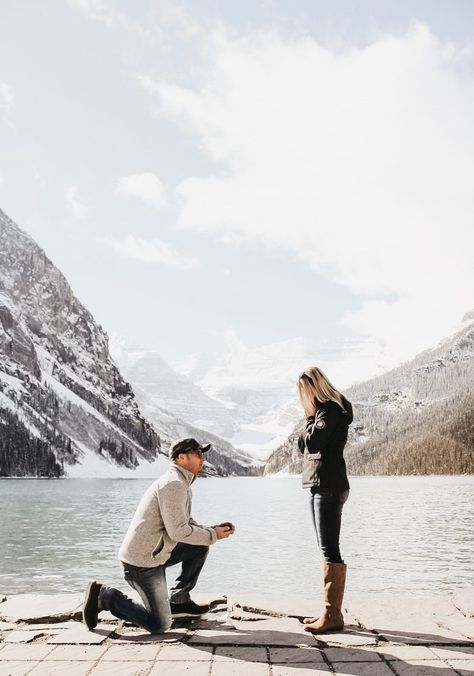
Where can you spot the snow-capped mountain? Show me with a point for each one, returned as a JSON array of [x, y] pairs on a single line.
[[242, 395], [170, 390], [415, 419], [258, 387], [246, 395], [65, 408], [61, 393], [222, 458], [179, 408]]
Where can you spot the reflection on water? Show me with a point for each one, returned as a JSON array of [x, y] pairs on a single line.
[[399, 533]]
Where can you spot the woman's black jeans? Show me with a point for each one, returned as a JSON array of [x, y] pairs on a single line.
[[326, 510]]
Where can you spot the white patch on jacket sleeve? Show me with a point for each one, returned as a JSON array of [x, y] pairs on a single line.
[[320, 422]]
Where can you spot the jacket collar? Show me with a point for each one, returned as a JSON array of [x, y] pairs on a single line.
[[185, 473]]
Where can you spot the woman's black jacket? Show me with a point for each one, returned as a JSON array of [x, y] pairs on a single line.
[[322, 444]]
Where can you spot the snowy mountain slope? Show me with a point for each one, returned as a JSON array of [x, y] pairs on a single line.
[[222, 458], [245, 395], [415, 419], [171, 391], [178, 408], [259, 384], [65, 408], [57, 379]]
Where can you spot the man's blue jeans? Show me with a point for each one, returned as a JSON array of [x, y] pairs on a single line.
[[326, 511], [155, 613]]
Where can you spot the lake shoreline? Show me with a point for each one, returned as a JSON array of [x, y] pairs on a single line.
[[231, 476]]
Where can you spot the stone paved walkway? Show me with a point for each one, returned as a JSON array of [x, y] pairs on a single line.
[[247, 635]]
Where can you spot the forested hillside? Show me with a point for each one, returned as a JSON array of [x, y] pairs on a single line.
[[415, 419]]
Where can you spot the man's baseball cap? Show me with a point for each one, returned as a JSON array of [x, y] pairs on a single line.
[[186, 446]]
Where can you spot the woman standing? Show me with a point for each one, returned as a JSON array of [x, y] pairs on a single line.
[[328, 416]]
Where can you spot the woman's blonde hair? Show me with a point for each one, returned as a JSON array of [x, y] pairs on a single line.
[[313, 384]]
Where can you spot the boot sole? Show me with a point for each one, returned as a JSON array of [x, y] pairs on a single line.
[[92, 589], [324, 631]]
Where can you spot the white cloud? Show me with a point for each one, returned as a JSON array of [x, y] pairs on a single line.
[[6, 98], [358, 162], [153, 251], [146, 187], [102, 11], [94, 9], [148, 84], [164, 22], [77, 208]]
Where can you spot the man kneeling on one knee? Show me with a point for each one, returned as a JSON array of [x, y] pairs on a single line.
[[162, 533]]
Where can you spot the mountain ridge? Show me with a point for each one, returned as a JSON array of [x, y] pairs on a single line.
[[415, 419], [63, 401]]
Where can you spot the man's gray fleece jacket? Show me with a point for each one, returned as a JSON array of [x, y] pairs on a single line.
[[162, 519]]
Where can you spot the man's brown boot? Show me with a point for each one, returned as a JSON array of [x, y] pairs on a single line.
[[334, 583]]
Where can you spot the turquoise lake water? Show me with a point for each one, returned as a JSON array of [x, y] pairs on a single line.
[[399, 534]]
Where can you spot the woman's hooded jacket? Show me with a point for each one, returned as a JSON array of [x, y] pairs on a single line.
[[322, 444]]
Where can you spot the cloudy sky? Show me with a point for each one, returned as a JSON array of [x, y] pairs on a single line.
[[264, 170]]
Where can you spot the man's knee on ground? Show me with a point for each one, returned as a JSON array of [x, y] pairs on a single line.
[[160, 627], [161, 624]]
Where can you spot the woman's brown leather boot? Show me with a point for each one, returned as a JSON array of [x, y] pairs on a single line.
[[334, 583]]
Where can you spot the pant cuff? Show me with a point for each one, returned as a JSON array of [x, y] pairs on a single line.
[[104, 596], [179, 596]]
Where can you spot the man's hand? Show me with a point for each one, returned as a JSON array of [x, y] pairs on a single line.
[[223, 530]]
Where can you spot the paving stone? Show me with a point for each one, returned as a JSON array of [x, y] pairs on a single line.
[[463, 667], [185, 653], [244, 616], [300, 670], [5, 626], [121, 669], [295, 655], [226, 635], [240, 653], [169, 669], [32, 652], [40, 607], [129, 635], [276, 605], [81, 635], [76, 652], [235, 668], [351, 655], [458, 623], [453, 653], [405, 652], [349, 637], [21, 636], [15, 668], [423, 668], [131, 653], [276, 632], [50, 626], [362, 669], [463, 600], [281, 605], [61, 668], [406, 619]]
